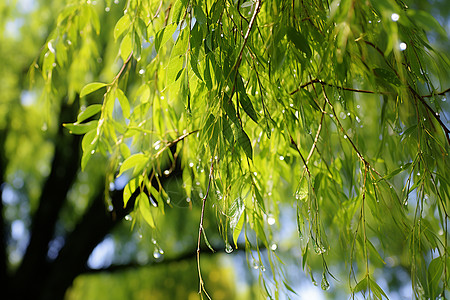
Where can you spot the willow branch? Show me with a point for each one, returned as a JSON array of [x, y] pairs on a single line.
[[435, 114], [174, 142], [246, 37], [301, 156], [335, 86], [341, 128], [316, 139], [439, 94], [200, 230]]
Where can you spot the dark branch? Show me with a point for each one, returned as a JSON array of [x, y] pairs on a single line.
[[64, 168]]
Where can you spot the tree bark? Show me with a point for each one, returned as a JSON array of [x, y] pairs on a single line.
[[33, 270]]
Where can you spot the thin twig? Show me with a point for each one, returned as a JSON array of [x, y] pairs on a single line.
[[335, 86], [247, 35], [434, 94], [435, 114], [171, 143], [366, 163], [200, 230], [316, 139], [301, 156]]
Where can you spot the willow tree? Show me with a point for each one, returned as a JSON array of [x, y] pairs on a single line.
[[333, 110]]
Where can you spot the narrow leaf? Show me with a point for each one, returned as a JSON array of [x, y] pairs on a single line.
[[136, 161], [244, 141], [89, 112], [145, 209], [91, 87], [81, 128], [299, 41]]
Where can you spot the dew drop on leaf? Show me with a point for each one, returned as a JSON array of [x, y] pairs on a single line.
[[156, 253], [325, 285], [228, 248]]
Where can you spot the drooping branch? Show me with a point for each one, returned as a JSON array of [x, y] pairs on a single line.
[[433, 113], [200, 230]]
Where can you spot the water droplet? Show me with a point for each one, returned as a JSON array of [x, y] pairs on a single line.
[[93, 151], [191, 164], [270, 220], [358, 106], [274, 247], [168, 200], [140, 235], [395, 17], [128, 218], [44, 127], [116, 1], [281, 157], [166, 172], [345, 136], [228, 248], [156, 253], [325, 285], [319, 249], [262, 268], [255, 265], [402, 46], [153, 241], [141, 71], [188, 199], [107, 9]]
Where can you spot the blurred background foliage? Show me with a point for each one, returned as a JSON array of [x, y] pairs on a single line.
[[134, 261]]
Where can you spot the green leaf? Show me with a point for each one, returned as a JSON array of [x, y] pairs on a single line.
[[207, 241], [299, 41], [426, 21], [89, 145], [435, 270], [228, 106], [238, 222], [95, 21], [199, 15], [126, 46], [123, 100], [91, 87], [129, 189], [376, 290], [244, 142], [388, 76], [164, 35], [289, 288], [245, 102], [174, 69], [361, 286], [136, 161], [396, 171], [81, 128], [89, 112], [217, 10], [141, 29], [178, 10], [145, 209], [122, 26]]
